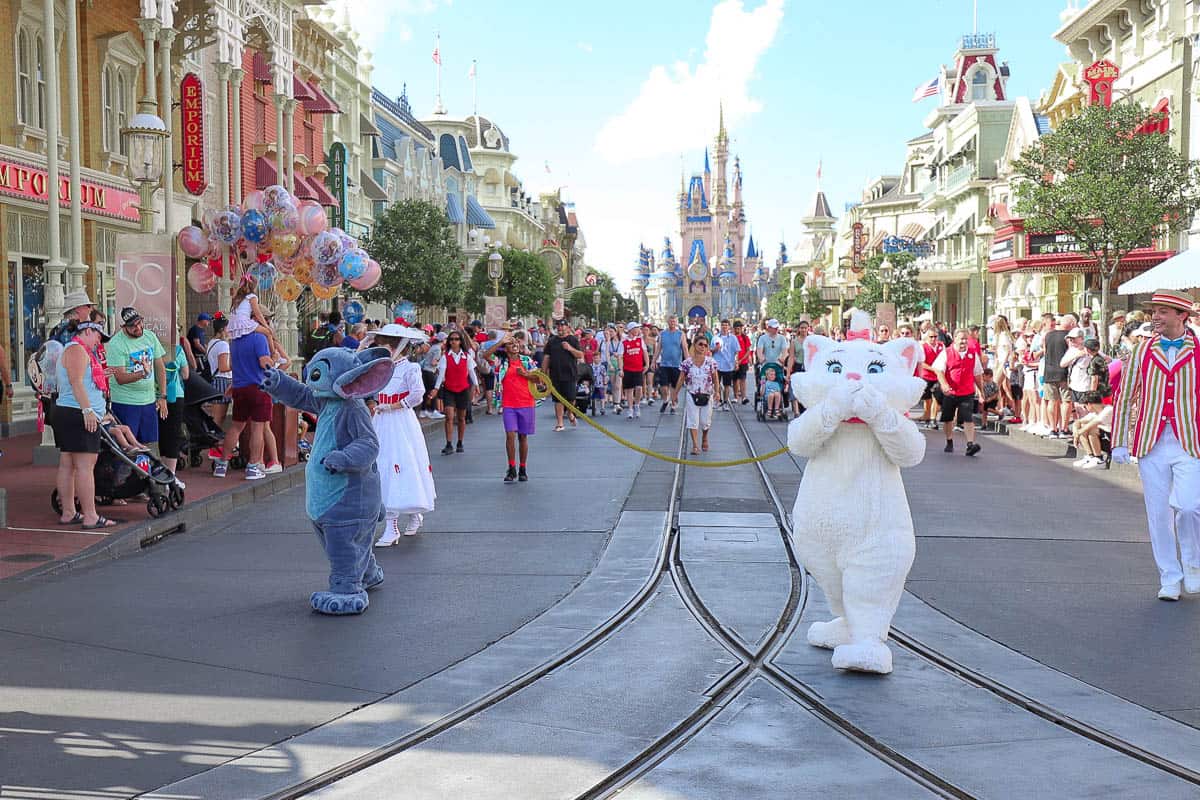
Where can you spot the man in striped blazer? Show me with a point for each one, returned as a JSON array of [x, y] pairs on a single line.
[[1155, 419]]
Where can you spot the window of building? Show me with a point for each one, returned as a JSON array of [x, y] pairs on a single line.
[[24, 77], [120, 57], [260, 119], [39, 49], [979, 85]]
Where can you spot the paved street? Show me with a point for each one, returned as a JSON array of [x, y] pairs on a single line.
[[150, 671]]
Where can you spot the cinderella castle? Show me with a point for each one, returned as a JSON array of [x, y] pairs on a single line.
[[719, 271]]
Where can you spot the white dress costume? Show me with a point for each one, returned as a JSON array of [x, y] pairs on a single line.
[[405, 476]]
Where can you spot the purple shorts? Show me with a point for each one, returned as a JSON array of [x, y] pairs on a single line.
[[519, 420]]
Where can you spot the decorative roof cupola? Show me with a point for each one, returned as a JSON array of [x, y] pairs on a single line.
[[727, 274], [976, 75]]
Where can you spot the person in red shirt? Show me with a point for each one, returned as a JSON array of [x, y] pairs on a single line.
[[518, 406], [633, 368], [588, 345], [743, 362], [458, 385], [960, 373], [929, 398], [975, 347]]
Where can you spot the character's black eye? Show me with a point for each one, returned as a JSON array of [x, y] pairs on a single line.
[[314, 374], [834, 366], [876, 367]]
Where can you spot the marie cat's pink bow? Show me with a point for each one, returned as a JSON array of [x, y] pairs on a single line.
[[864, 335]]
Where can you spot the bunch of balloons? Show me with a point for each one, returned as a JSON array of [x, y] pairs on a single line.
[[284, 242]]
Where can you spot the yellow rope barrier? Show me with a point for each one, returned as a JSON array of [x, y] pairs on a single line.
[[540, 386]]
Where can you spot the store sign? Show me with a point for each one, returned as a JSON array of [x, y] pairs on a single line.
[[1001, 250], [856, 252], [1050, 243], [1101, 76], [907, 244], [495, 312], [337, 182], [191, 93], [28, 182], [145, 277]]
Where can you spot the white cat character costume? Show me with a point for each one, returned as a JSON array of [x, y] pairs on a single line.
[[857, 539], [405, 475]]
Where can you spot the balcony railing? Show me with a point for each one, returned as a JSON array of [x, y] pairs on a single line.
[[930, 189], [959, 177]]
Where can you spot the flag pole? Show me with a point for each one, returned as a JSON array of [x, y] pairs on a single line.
[[474, 89], [437, 53]]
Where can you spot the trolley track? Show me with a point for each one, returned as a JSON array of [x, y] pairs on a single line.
[[998, 688], [591, 640]]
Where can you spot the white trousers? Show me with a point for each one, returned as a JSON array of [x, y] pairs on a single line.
[[1171, 488]]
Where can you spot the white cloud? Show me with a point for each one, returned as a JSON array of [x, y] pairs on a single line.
[[377, 20], [585, 47], [736, 40]]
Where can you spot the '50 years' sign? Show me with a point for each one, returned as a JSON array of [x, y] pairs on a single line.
[[145, 280]]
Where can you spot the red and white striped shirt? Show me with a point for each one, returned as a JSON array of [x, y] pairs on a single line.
[[1157, 391]]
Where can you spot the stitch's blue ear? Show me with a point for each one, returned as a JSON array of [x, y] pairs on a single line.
[[369, 377]]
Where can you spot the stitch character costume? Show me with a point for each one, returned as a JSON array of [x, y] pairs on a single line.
[[857, 541], [341, 479]]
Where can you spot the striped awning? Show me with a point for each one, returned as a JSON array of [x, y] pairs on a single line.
[[320, 103], [877, 239], [370, 188], [301, 90], [304, 189], [913, 230], [265, 173], [476, 216], [454, 210], [324, 196]]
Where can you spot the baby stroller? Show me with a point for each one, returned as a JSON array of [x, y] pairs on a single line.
[[120, 475], [760, 400], [202, 430], [585, 383]]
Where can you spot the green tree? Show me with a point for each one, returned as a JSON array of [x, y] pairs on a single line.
[[902, 289], [421, 260], [1111, 187], [787, 305], [579, 301], [527, 283]]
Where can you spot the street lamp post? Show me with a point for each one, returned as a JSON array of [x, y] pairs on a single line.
[[596, 303], [144, 144], [984, 235], [495, 271], [885, 278], [615, 303]]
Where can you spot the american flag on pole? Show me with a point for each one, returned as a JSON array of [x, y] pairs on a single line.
[[437, 55], [471, 74], [926, 90]]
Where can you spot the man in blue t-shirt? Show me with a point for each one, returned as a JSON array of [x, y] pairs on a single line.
[[667, 361], [726, 348], [249, 356]]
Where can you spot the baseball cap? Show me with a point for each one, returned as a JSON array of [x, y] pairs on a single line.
[[772, 323], [1075, 333], [129, 315], [1091, 343], [632, 326], [1146, 330], [203, 316]]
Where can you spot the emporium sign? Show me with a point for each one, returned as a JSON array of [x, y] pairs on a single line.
[[27, 182], [191, 93]]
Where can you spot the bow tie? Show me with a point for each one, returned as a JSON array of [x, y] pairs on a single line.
[[1168, 344]]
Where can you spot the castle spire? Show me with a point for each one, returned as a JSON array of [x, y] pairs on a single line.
[[721, 134]]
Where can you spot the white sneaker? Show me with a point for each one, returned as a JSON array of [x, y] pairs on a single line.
[[637, 412], [422, 415], [1169, 591], [1191, 580], [436, 415], [180, 484], [630, 415], [274, 469], [1092, 463], [255, 472], [414, 524], [1080, 462]]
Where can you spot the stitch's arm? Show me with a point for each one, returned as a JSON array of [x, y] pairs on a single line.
[[359, 454], [285, 389]]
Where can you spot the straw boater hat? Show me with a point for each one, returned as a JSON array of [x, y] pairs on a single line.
[[1171, 298], [398, 331]]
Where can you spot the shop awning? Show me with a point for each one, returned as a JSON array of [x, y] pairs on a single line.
[[877, 239], [1177, 272], [454, 210], [261, 68], [301, 90], [320, 104], [265, 173], [370, 188], [323, 195], [913, 230], [304, 189], [956, 228], [476, 216], [366, 127]]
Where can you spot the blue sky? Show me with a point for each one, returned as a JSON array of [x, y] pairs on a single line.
[[612, 94]]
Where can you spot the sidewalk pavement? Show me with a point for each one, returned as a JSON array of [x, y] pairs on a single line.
[[31, 543]]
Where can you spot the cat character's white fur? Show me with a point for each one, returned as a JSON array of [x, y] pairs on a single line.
[[853, 529]]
